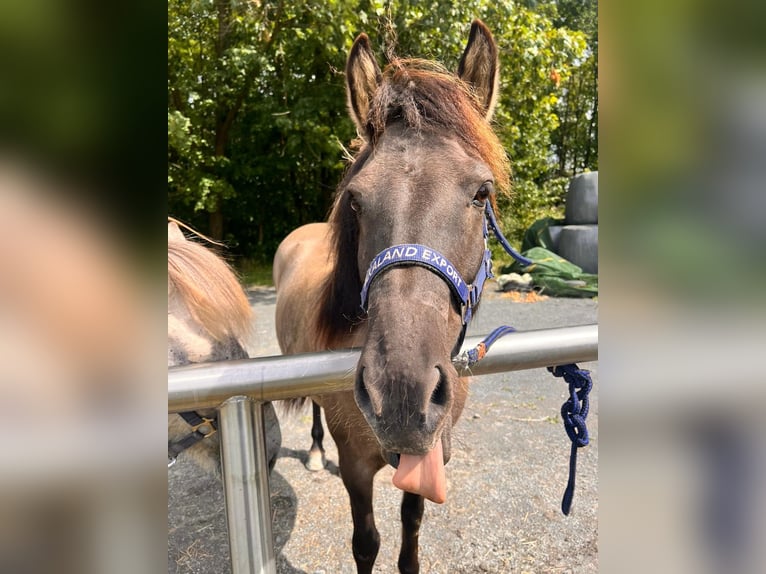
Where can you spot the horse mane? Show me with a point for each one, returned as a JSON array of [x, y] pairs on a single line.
[[424, 96], [209, 288]]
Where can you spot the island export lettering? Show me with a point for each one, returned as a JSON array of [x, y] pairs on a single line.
[[414, 253]]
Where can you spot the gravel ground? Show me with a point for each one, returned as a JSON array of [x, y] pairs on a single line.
[[505, 480]]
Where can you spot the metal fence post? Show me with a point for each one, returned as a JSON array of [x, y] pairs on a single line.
[[246, 486]]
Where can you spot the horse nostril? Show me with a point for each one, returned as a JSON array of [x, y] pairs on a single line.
[[440, 394], [360, 390], [364, 401]]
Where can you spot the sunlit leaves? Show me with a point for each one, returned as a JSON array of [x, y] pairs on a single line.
[[256, 103]]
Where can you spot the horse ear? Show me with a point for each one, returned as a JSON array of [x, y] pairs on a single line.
[[362, 79], [479, 66], [174, 232]]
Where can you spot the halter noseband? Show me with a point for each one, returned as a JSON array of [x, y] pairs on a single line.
[[415, 254]]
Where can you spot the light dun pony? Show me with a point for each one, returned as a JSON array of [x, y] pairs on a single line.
[[428, 164], [208, 318]]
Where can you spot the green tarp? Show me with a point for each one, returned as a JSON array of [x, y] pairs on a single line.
[[539, 235], [555, 276]]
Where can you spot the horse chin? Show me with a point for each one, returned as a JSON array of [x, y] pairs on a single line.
[[392, 458]]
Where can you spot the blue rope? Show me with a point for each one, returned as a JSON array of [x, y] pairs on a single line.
[[501, 238], [473, 356], [574, 411]]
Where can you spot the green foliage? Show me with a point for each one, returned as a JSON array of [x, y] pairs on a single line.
[[256, 111], [256, 102], [532, 50], [530, 202], [252, 272], [576, 138]]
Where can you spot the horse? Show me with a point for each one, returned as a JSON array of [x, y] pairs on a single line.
[[425, 168], [209, 317]]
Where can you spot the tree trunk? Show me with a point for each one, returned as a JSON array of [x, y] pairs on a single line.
[[216, 224], [578, 113], [593, 117], [564, 129]]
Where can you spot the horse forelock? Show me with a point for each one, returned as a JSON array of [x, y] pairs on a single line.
[[210, 290], [426, 96]]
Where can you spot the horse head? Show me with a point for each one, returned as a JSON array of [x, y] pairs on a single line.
[[429, 162]]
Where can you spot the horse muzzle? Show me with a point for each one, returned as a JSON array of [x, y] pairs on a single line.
[[406, 413]]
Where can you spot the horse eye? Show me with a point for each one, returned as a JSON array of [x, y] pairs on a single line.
[[482, 194], [353, 204]]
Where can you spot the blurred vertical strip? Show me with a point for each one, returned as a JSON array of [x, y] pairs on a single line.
[[82, 197], [683, 277]]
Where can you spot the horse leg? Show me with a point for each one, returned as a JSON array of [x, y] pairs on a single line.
[[316, 460], [365, 543], [412, 514], [273, 434]]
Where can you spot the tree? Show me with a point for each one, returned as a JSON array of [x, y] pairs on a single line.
[[576, 140], [255, 108], [256, 102]]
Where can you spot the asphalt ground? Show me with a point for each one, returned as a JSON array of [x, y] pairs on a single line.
[[508, 471]]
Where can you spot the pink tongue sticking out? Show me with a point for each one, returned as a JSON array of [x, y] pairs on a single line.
[[423, 475]]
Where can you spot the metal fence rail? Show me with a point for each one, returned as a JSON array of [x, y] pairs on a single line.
[[239, 388], [208, 385]]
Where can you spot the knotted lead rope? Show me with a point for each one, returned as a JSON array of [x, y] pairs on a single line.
[[574, 411]]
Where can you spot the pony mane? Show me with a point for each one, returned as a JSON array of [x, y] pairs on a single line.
[[209, 288], [425, 96]]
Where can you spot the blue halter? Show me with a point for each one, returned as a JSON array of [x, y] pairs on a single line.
[[468, 295], [574, 410]]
